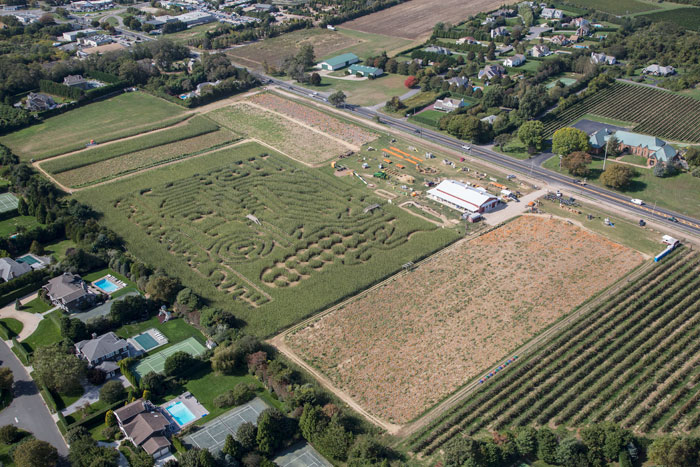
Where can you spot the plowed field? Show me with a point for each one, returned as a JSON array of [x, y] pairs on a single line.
[[403, 347], [416, 18]]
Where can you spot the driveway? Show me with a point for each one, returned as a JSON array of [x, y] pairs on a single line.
[[91, 395], [27, 410], [30, 321], [512, 209]]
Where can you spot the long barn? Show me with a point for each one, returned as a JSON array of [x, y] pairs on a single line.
[[462, 197]]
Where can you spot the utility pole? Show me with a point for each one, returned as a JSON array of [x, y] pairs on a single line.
[[606, 154]]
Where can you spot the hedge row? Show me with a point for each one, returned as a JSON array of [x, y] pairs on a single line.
[[95, 419], [20, 351], [124, 366], [4, 331], [48, 398]]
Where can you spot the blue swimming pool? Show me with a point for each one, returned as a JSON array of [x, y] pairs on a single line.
[[107, 285], [180, 413]]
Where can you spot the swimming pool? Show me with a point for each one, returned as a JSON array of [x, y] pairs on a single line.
[[28, 259], [107, 285], [180, 413], [146, 341]]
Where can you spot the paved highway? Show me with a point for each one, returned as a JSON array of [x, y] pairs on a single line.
[[686, 223]]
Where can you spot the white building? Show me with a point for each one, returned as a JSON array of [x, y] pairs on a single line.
[[658, 70], [448, 104], [515, 60], [462, 197], [499, 31], [551, 13], [602, 59], [71, 36], [540, 50]]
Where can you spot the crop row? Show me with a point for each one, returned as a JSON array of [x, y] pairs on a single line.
[[193, 127], [559, 376]]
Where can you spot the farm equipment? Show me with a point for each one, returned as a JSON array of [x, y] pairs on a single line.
[[365, 165], [381, 175], [91, 143]]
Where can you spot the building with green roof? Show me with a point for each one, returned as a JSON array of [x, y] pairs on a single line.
[[338, 62], [366, 70], [651, 147]]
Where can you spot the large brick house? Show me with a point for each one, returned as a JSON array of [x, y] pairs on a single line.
[[650, 147]]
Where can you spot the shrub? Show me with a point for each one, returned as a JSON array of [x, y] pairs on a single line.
[[9, 434], [178, 363], [112, 392], [96, 376], [240, 394]]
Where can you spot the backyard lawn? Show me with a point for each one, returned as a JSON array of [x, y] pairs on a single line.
[[679, 193], [206, 385], [175, 330], [58, 249], [47, 333], [36, 306], [13, 225], [125, 115]]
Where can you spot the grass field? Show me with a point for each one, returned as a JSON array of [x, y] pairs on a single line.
[[14, 224], [401, 348], [642, 105], [282, 133], [688, 17], [46, 334], [326, 44], [428, 117], [58, 249], [125, 115], [678, 193], [128, 163], [633, 359], [314, 245], [365, 92]]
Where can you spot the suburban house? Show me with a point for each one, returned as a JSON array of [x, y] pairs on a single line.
[[76, 81], [583, 30], [105, 347], [498, 32], [459, 81], [146, 426], [462, 197], [515, 60], [652, 148], [504, 12], [448, 104], [466, 40], [338, 62], [38, 102], [490, 119], [438, 50], [540, 50], [362, 70], [658, 70], [69, 292], [551, 13], [491, 71], [11, 269], [602, 59], [560, 39]]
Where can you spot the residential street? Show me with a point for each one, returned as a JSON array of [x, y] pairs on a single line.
[[27, 410]]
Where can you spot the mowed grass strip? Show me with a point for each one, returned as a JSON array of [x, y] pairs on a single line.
[[125, 115], [125, 164], [194, 127]]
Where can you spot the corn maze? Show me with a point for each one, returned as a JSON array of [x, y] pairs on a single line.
[[654, 112], [635, 360], [257, 226]]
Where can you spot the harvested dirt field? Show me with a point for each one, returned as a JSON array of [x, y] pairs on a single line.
[[401, 348], [416, 18]]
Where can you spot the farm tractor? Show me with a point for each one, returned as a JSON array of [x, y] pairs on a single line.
[[381, 175]]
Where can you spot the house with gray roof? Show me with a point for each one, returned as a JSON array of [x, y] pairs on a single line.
[[69, 292], [11, 269], [145, 426], [107, 347], [459, 81]]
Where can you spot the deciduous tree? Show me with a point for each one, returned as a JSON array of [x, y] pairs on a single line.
[[567, 140], [531, 133], [577, 163], [617, 176]]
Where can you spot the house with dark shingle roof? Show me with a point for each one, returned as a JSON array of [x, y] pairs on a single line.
[[145, 426], [69, 292], [108, 346], [11, 269]]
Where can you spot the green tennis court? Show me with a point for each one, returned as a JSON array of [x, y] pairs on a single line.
[[8, 202], [156, 361]]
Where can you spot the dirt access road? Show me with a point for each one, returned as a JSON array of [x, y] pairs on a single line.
[[416, 18]]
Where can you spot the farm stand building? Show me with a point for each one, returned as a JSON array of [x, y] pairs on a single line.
[[654, 149], [459, 196], [338, 62]]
